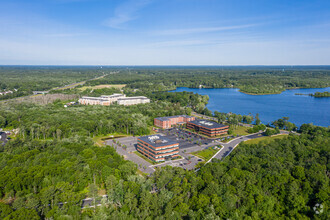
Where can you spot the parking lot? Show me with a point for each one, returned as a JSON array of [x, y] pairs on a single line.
[[188, 142], [186, 139]]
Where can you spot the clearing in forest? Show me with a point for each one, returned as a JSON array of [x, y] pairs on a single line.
[[268, 138], [117, 86]]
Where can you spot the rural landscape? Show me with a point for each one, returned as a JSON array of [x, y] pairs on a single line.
[[152, 109]]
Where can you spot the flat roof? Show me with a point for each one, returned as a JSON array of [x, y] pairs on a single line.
[[95, 98], [152, 140], [113, 95], [134, 97], [207, 124], [167, 118]]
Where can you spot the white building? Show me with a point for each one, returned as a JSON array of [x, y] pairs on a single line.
[[114, 97], [86, 100], [121, 99], [133, 100]]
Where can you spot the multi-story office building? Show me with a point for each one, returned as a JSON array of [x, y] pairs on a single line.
[[208, 128], [86, 100], [168, 122], [114, 97], [133, 100], [157, 148], [103, 100]]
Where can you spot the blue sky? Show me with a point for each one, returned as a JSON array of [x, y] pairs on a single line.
[[165, 32]]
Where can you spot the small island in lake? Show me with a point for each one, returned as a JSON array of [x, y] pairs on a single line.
[[317, 94]]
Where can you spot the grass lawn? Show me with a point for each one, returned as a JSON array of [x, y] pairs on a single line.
[[117, 86], [257, 140], [144, 158], [98, 140], [206, 154], [241, 130]]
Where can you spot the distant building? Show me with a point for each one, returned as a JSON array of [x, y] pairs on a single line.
[[157, 148], [40, 92], [133, 100], [103, 100], [86, 100], [208, 128], [168, 122], [114, 97], [6, 92]]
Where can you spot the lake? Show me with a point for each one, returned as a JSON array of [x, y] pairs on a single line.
[[299, 108]]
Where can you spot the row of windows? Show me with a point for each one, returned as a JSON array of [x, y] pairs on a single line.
[[157, 149], [157, 152], [156, 157]]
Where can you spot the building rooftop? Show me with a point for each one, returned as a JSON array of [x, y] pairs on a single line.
[[95, 98], [135, 97], [113, 95], [167, 118], [157, 140], [207, 124]]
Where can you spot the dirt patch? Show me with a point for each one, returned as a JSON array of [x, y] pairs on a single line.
[[45, 99]]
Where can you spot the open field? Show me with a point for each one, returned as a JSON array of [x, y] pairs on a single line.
[[241, 130], [43, 99], [267, 138], [117, 86], [206, 154], [98, 140]]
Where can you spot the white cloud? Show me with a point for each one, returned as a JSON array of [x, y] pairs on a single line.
[[201, 30], [125, 13], [66, 35]]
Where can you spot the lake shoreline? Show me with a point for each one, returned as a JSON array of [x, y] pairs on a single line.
[[248, 93], [300, 110]]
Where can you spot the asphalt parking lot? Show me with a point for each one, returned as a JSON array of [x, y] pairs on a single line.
[[186, 146], [184, 138], [187, 161]]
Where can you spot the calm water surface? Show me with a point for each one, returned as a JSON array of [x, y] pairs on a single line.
[[299, 108]]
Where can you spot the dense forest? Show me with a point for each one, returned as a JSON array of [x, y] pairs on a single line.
[[252, 80], [320, 94], [282, 179]]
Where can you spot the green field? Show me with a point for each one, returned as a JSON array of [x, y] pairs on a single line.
[[257, 140], [206, 154], [117, 86], [241, 130], [98, 140]]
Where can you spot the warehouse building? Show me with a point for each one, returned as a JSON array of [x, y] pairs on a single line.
[[157, 148], [168, 122], [208, 128]]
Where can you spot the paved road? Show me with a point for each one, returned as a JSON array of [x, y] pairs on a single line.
[[230, 146]]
